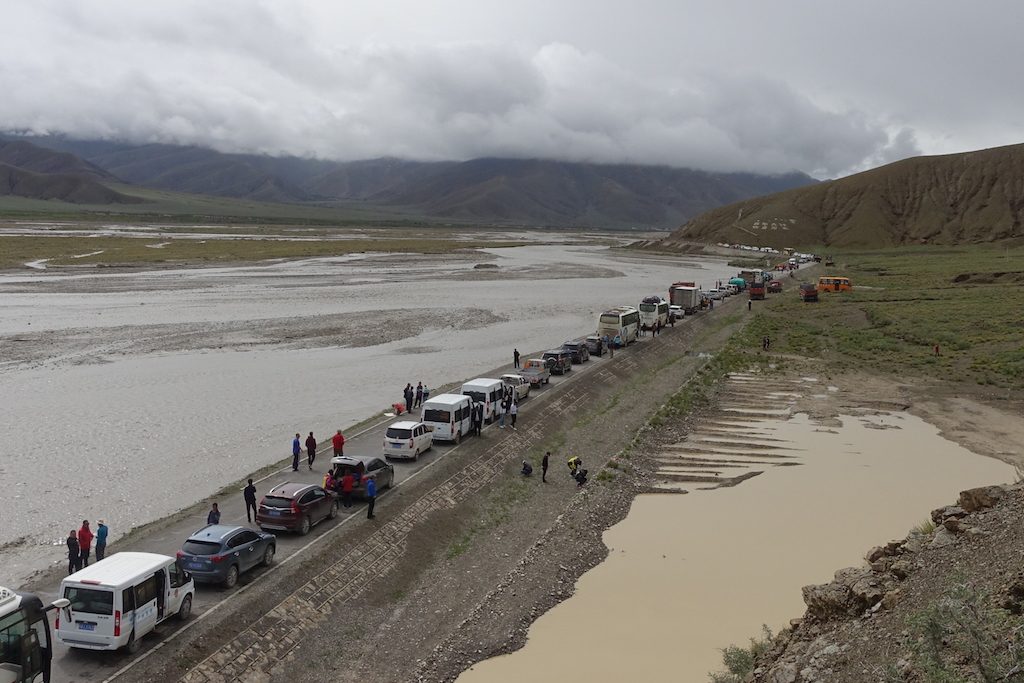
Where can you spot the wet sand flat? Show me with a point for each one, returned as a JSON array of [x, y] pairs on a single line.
[[688, 575]]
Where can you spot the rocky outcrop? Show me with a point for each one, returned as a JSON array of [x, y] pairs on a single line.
[[804, 652]]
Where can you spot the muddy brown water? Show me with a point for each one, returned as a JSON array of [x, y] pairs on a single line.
[[689, 575]]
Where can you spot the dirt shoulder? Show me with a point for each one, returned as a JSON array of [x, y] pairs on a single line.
[[458, 563]]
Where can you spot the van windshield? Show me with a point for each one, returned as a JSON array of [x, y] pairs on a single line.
[[394, 433], [90, 600], [200, 548], [648, 308], [434, 415]]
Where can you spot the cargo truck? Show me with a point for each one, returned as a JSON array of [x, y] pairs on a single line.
[[685, 295]]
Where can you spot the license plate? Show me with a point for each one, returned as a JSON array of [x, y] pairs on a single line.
[[86, 627], [274, 513], [396, 445], [196, 565]]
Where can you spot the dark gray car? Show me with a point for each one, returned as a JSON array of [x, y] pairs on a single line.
[[218, 553]]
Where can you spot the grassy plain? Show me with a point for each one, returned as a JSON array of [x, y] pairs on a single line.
[[968, 300], [72, 250]]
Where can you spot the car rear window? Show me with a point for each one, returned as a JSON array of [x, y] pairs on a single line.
[[394, 433], [477, 396], [90, 600], [275, 502], [200, 547]]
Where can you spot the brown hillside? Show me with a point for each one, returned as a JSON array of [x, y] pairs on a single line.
[[952, 199]]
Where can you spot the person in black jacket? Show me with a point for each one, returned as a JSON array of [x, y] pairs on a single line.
[[74, 553], [249, 493], [310, 450]]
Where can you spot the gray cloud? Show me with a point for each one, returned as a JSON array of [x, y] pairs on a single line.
[[313, 80]]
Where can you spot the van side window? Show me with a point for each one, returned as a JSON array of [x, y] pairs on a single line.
[[146, 591], [128, 600], [177, 576]]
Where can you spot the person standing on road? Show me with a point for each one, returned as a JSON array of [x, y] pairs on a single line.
[[85, 542], [74, 553], [478, 418], [408, 393], [515, 358], [371, 496], [348, 483], [750, 304], [310, 450], [544, 467], [101, 540], [213, 516], [419, 395], [513, 410], [249, 494], [296, 450]]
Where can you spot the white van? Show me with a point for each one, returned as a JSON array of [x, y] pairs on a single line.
[[116, 601], [487, 391], [450, 416]]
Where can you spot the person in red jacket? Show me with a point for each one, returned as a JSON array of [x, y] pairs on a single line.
[[348, 482], [338, 441], [84, 542]]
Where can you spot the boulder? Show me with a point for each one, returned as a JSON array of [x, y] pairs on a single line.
[[942, 538], [914, 543], [973, 500], [942, 514], [876, 553], [784, 674], [901, 569], [953, 524], [890, 599], [828, 600]]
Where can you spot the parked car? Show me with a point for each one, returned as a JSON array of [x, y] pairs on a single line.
[[366, 467], [536, 372], [715, 294], [294, 506], [775, 286], [808, 292], [407, 439], [596, 345], [520, 385], [219, 553], [676, 312], [577, 351], [558, 361]]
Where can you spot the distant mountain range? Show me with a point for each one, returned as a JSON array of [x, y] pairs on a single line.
[[494, 191], [952, 199], [37, 173]]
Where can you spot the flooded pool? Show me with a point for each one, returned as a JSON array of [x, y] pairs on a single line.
[[107, 419], [688, 575]]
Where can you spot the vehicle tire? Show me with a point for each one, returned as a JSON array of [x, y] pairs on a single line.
[[133, 645], [333, 512], [185, 610], [416, 455], [268, 555], [547, 380], [305, 526], [458, 437], [232, 576], [391, 480]]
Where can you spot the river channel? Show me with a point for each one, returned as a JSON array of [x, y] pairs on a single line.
[[690, 574], [128, 395]]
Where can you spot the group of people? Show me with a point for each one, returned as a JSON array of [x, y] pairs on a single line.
[[80, 545], [414, 397], [345, 481], [337, 443], [575, 463]]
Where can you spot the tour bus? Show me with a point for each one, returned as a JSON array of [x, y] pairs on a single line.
[[26, 648], [830, 283], [653, 310], [622, 322], [113, 603], [487, 391], [450, 416]]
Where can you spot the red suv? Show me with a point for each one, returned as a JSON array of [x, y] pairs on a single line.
[[296, 507]]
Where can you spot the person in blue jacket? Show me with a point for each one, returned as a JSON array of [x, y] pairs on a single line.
[[101, 540], [296, 451], [371, 496]]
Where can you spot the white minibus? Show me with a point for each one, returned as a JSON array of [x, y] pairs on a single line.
[[487, 391], [450, 416], [653, 311], [622, 322], [121, 598]]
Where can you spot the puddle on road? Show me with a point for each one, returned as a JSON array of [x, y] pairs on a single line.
[[689, 575]]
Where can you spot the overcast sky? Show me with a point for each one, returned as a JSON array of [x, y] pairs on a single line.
[[815, 85]]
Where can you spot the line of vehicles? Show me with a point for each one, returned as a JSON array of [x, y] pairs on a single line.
[[115, 602]]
